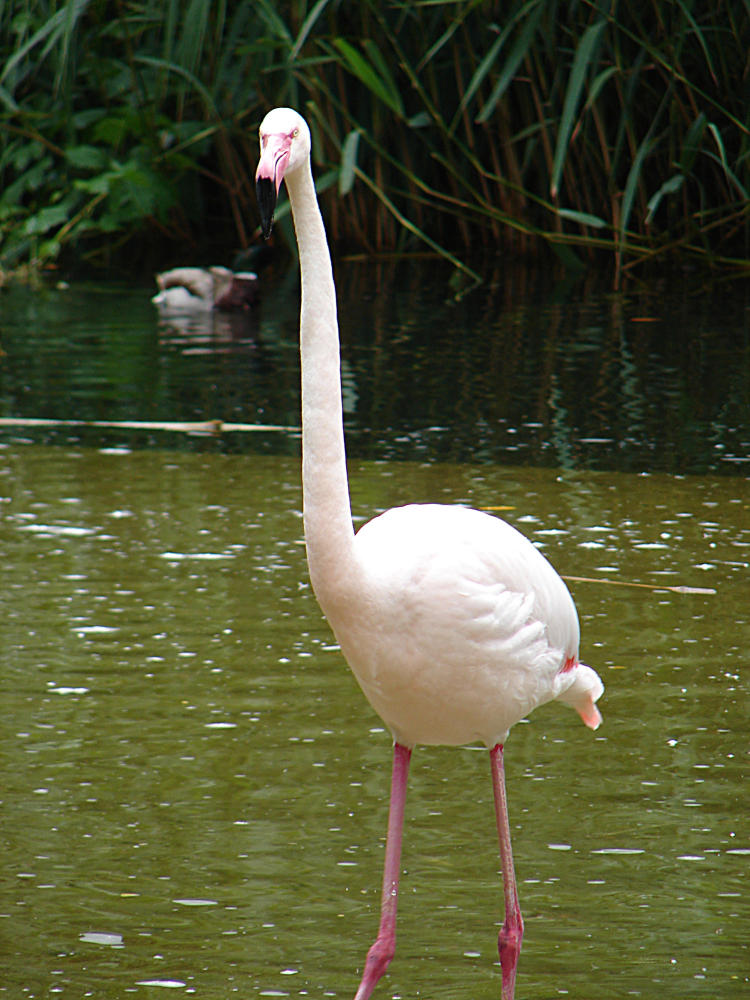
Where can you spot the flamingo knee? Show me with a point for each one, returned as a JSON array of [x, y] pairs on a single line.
[[378, 959], [509, 947]]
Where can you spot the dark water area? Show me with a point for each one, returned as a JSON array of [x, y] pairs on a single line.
[[522, 371]]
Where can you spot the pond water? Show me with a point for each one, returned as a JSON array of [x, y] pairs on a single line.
[[194, 792]]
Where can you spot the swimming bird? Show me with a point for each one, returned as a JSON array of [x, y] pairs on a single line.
[[454, 624], [201, 289]]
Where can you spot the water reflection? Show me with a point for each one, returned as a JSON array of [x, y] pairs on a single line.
[[209, 332], [518, 372], [195, 791]]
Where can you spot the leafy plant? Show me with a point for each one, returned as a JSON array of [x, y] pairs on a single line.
[[115, 129], [601, 129]]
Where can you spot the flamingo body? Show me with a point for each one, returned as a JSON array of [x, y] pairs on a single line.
[[452, 643], [453, 623]]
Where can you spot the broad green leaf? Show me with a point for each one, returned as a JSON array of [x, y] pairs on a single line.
[[112, 130], [60, 21], [583, 58], [192, 41], [356, 63], [598, 83], [582, 218], [307, 25], [697, 33], [48, 249], [515, 57], [383, 70], [719, 144], [100, 184], [691, 143], [325, 181], [87, 117], [348, 162], [7, 100], [670, 186], [420, 120], [19, 155], [30, 180], [111, 222], [484, 67], [631, 185], [86, 157], [191, 78], [271, 14], [730, 174], [46, 219]]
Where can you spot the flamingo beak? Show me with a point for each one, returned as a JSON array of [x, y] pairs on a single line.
[[274, 157]]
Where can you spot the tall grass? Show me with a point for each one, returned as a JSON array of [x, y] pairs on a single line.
[[604, 131]]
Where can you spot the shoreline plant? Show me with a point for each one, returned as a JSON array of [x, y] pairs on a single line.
[[613, 134]]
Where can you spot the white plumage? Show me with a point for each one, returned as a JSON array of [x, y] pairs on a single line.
[[456, 641], [454, 624]]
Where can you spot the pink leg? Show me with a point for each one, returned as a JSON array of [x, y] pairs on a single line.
[[381, 952], [511, 933]]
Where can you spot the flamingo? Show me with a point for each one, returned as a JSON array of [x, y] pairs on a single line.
[[452, 621]]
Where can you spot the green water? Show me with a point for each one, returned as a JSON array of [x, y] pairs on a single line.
[[192, 789], [194, 792]]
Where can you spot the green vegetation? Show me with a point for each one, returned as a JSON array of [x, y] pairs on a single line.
[[615, 131]]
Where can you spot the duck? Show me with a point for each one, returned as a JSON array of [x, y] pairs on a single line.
[[203, 289]]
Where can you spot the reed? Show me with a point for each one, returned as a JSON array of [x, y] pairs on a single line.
[[606, 131]]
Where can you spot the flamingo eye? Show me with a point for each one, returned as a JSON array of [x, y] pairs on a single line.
[[295, 133]]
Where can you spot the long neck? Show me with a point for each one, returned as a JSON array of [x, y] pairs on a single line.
[[329, 534]]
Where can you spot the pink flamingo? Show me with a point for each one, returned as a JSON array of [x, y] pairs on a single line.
[[453, 623]]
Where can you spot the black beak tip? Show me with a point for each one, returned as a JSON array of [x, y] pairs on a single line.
[[266, 194]]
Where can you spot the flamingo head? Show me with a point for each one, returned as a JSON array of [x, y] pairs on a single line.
[[284, 146]]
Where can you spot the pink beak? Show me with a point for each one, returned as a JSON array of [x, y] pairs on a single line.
[[274, 156]]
